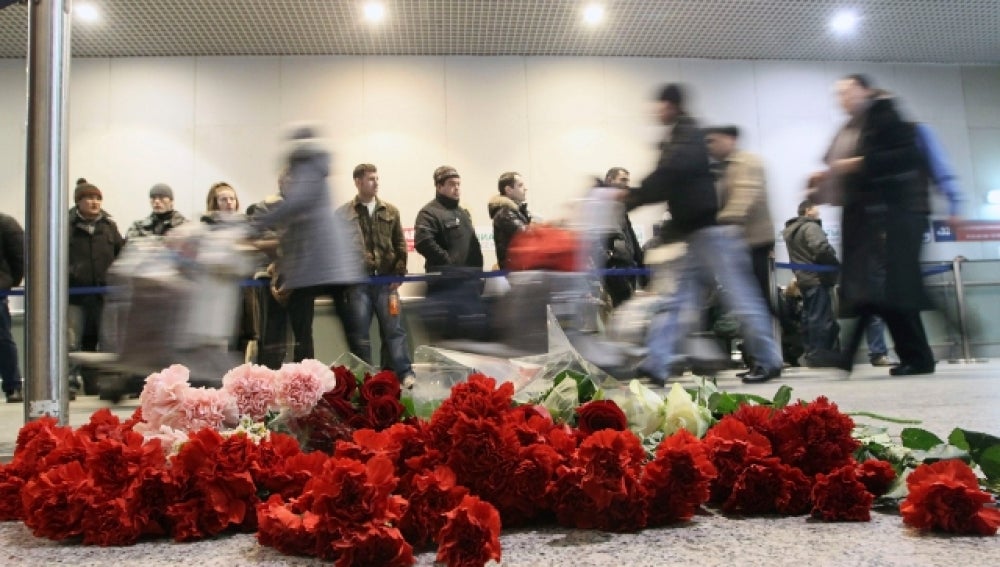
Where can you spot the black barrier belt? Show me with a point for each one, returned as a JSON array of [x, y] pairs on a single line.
[[384, 280]]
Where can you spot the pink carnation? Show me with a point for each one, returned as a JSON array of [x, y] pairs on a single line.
[[255, 389], [163, 393], [301, 385], [168, 436], [201, 408]]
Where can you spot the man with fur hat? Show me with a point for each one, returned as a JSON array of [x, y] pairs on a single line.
[[163, 218], [94, 243], [509, 212]]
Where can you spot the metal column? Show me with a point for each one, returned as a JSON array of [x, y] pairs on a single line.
[[46, 388]]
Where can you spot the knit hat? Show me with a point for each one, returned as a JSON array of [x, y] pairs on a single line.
[[444, 173], [161, 190], [672, 93], [84, 189]]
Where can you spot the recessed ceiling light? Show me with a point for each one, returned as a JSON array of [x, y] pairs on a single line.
[[86, 12], [374, 11], [593, 14], [844, 22]]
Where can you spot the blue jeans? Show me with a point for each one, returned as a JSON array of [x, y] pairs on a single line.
[[875, 336], [373, 300], [9, 371], [819, 327], [717, 252]]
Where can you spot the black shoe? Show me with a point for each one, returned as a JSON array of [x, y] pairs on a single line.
[[908, 370], [758, 375], [743, 374], [15, 397]]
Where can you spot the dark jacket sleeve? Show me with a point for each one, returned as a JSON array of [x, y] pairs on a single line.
[[116, 235], [680, 158], [426, 230], [13, 249]]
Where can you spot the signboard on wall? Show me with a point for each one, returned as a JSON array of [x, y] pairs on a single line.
[[967, 231]]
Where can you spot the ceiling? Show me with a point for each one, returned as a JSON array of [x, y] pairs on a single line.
[[938, 31]]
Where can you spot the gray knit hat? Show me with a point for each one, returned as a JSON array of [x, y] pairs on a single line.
[[161, 190]]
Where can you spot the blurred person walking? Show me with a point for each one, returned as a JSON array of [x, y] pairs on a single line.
[[682, 179], [318, 253], [622, 247], [11, 274], [384, 248], [877, 171]]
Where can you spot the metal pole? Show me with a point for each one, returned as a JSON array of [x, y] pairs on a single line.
[[45, 310], [772, 297], [963, 326]]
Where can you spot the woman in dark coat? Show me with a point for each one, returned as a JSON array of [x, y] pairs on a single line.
[[877, 172]]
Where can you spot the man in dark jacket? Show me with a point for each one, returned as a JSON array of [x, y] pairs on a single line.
[[682, 178], [877, 171], [443, 232], [11, 274], [445, 237], [384, 248], [509, 212], [807, 244], [94, 243], [163, 218]]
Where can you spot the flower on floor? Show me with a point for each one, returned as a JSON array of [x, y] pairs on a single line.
[[946, 496], [360, 484]]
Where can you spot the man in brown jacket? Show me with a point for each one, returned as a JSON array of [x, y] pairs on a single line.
[[384, 246], [742, 188]]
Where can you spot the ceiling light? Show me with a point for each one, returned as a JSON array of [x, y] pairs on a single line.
[[374, 11], [844, 22], [593, 14], [86, 12]]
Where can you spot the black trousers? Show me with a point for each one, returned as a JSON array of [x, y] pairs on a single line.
[[908, 337], [300, 315], [760, 261]]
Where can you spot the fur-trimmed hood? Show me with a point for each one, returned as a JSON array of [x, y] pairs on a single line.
[[499, 202]]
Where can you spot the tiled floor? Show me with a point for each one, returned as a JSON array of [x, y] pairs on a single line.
[[965, 396]]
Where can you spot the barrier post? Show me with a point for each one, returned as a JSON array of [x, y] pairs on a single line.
[[963, 325], [772, 297]]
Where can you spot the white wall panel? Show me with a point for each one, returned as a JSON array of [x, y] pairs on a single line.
[[234, 91], [152, 92], [89, 94], [981, 86]]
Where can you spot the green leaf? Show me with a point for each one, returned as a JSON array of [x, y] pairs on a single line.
[[408, 406], [957, 438], [989, 462], [782, 396], [884, 417], [916, 438], [587, 389], [977, 442]]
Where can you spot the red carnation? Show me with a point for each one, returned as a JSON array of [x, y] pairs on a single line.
[[11, 485], [56, 500], [288, 532], [433, 494], [841, 497], [814, 437], [600, 414], [757, 418], [730, 446], [385, 384], [946, 496], [877, 476], [768, 486], [678, 479], [110, 523], [102, 425], [471, 534], [375, 544]]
